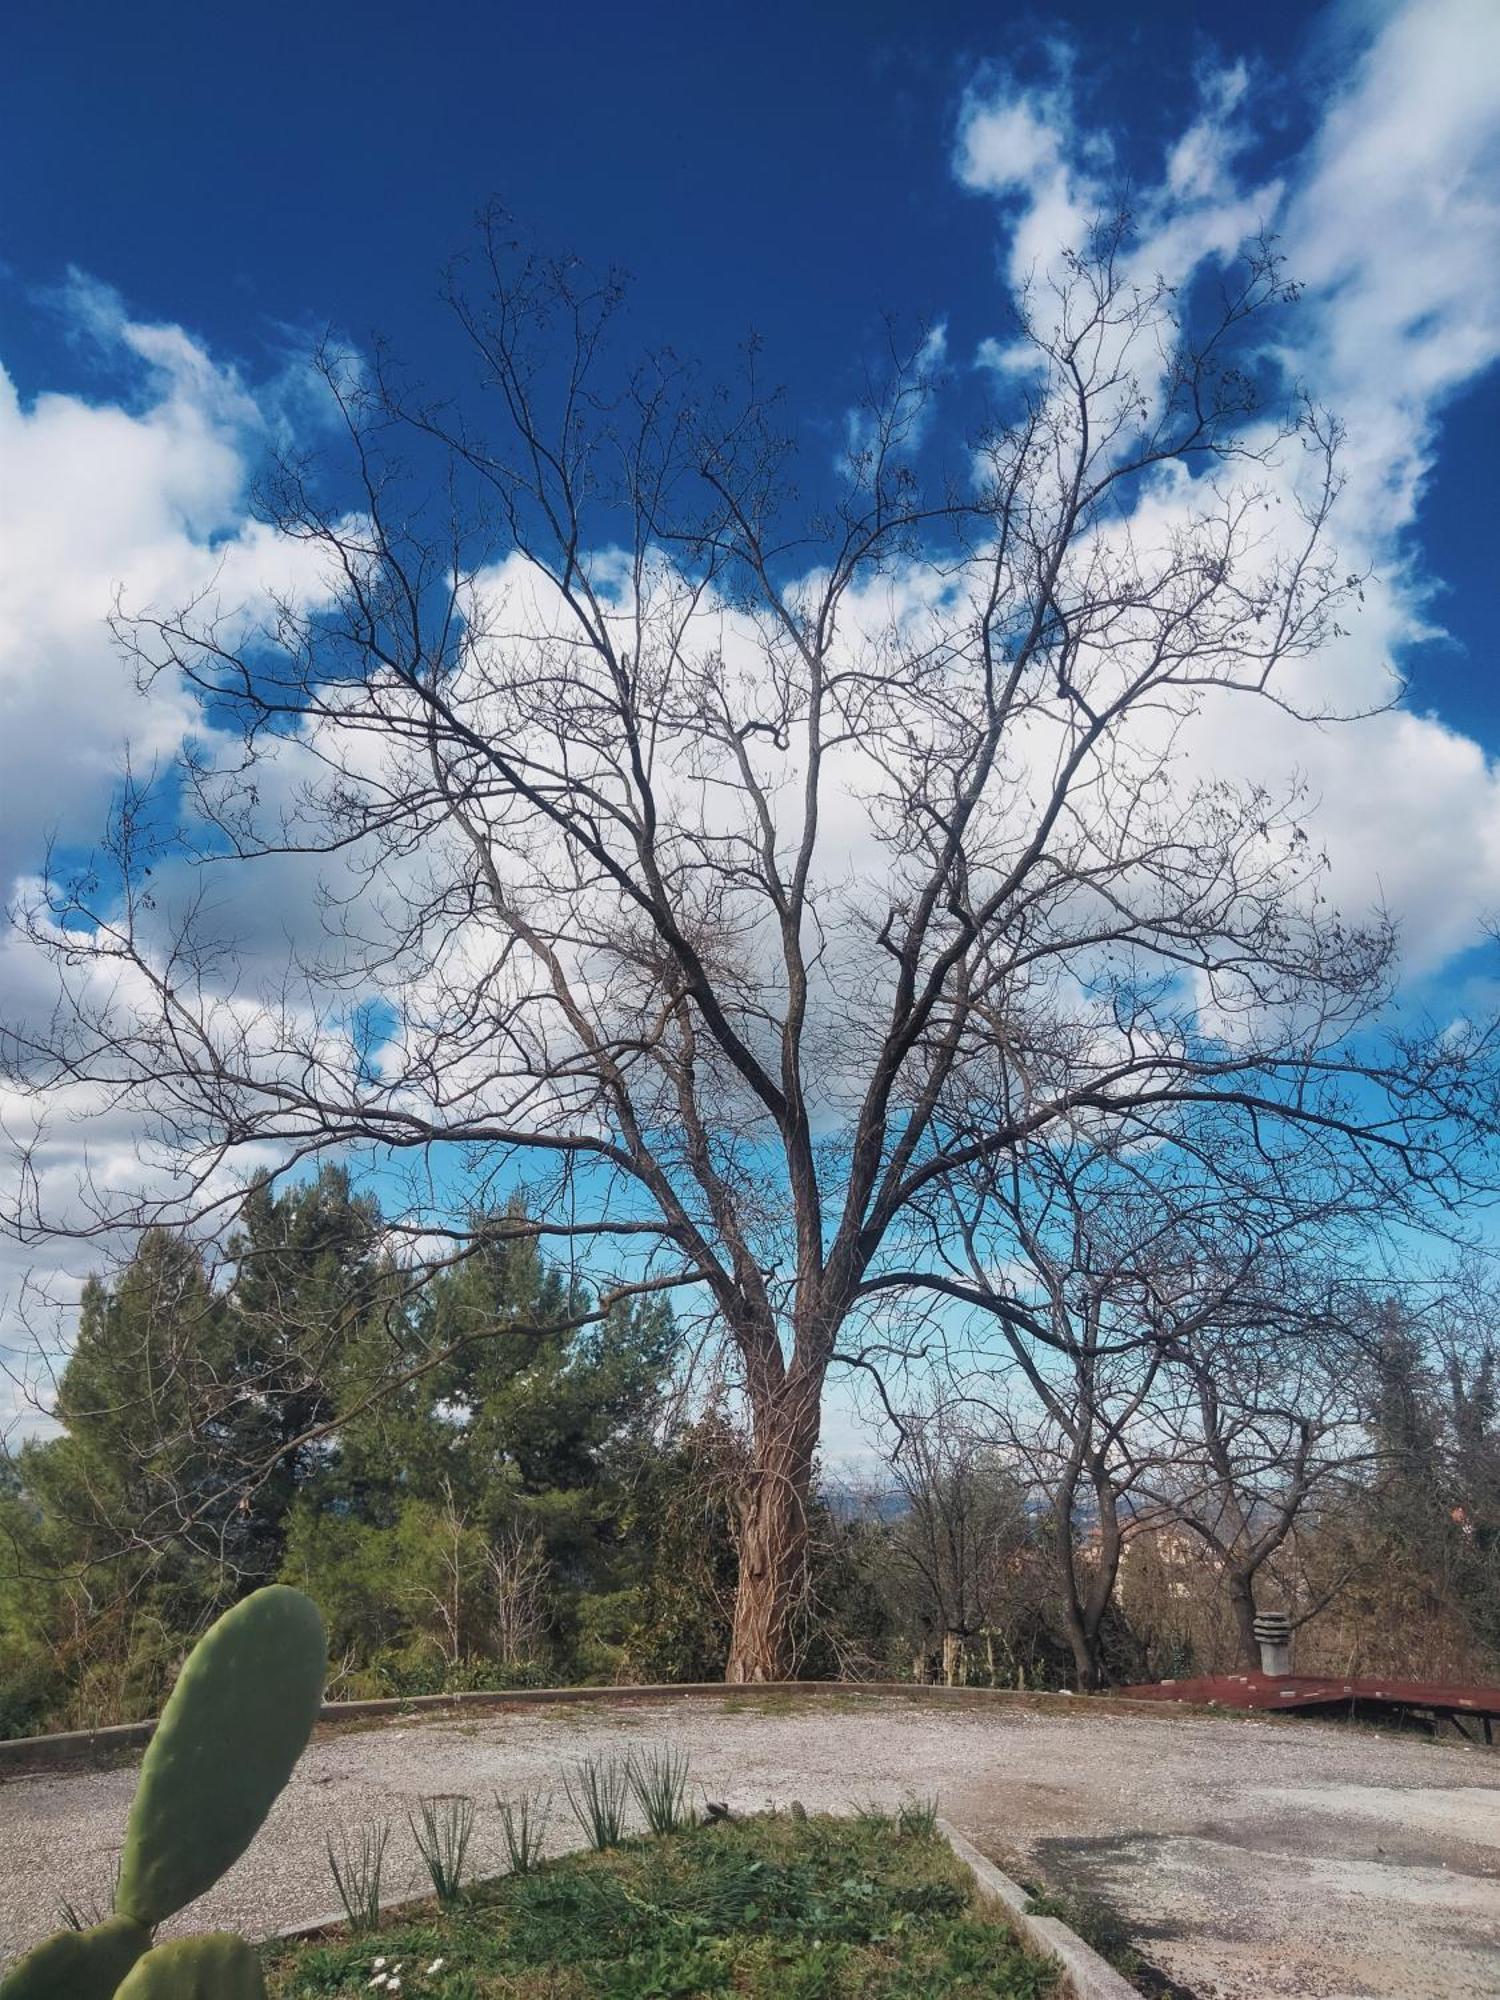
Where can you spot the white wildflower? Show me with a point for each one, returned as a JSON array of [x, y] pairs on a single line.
[[436, 1966]]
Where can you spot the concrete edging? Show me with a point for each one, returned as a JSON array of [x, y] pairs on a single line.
[[1089, 1977], [73, 1746], [24, 1754]]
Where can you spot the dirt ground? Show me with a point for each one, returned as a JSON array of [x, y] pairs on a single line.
[[1251, 1859]]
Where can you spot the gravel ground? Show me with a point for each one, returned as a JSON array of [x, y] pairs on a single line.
[[1252, 1859]]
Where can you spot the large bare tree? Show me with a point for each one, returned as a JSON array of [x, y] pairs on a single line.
[[688, 845]]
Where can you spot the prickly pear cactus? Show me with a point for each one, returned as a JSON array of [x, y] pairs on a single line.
[[237, 1721], [78, 1965], [216, 1967]]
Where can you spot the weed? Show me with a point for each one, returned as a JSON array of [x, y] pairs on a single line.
[[658, 1783], [443, 1840], [597, 1789], [524, 1822], [871, 1818], [83, 1916], [356, 1866], [917, 1818]]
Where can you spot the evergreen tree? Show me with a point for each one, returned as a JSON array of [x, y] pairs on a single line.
[[121, 1528], [478, 1523], [310, 1280]]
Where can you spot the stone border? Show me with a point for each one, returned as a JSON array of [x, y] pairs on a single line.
[[82, 1746], [21, 1755], [1086, 1975]]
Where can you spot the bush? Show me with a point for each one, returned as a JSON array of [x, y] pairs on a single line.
[[30, 1691], [401, 1673]]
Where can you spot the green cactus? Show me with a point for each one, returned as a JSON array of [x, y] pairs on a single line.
[[78, 1965], [216, 1967], [237, 1721]]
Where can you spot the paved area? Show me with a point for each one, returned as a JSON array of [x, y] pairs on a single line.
[[1253, 1860]]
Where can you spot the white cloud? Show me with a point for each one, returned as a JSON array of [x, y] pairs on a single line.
[[1023, 146], [1394, 226], [1390, 218], [1014, 141], [147, 492]]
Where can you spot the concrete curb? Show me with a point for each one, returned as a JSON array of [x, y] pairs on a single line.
[[25, 1754], [1088, 1976], [83, 1746], [336, 1920]]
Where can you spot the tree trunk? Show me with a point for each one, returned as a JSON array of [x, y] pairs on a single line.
[[1100, 1593], [773, 1539], [1087, 1664], [953, 1658], [1083, 1639], [1241, 1589]]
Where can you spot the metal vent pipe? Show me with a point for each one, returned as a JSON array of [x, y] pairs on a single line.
[[1273, 1634]]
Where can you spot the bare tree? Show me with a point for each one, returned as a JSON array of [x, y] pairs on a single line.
[[518, 1582], [1262, 1411], [687, 850], [1140, 1327], [963, 1525], [450, 1571], [1074, 1411]]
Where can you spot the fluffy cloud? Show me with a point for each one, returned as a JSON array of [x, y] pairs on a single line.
[[1393, 222], [145, 491], [1390, 218]]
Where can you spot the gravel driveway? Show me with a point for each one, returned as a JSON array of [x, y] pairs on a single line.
[[1252, 1859]]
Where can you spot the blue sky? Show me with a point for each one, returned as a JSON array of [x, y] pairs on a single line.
[[260, 175], [189, 196]]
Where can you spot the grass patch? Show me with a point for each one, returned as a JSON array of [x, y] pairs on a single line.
[[778, 1701], [775, 1908]]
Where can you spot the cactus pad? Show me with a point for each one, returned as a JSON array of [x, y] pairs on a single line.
[[78, 1965], [237, 1721], [216, 1967]]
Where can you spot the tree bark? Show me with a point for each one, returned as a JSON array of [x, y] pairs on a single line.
[[1085, 1609], [773, 1547], [953, 1659], [1242, 1603], [1083, 1635], [1085, 1644]]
